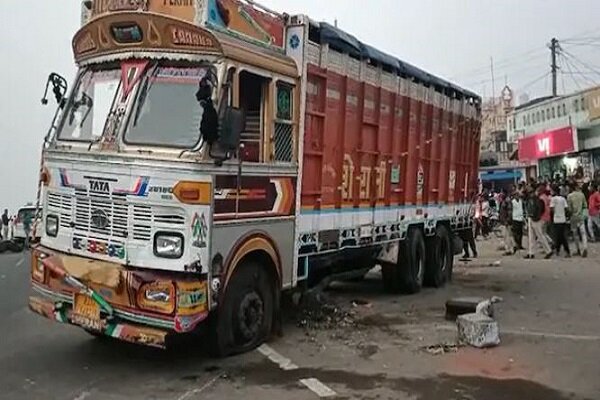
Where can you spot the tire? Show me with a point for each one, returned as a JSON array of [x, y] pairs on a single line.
[[244, 319], [16, 247], [439, 260], [3, 246], [412, 261]]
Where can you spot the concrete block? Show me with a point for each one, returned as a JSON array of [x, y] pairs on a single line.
[[478, 330]]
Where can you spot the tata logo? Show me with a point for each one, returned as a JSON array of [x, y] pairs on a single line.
[[543, 145], [99, 219], [99, 186]]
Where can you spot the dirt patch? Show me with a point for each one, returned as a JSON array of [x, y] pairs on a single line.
[[448, 387], [380, 320], [489, 284], [323, 314]]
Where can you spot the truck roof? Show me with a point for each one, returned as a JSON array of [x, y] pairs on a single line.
[[347, 43]]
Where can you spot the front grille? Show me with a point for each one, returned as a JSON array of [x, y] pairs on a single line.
[[61, 205], [114, 207], [125, 220]]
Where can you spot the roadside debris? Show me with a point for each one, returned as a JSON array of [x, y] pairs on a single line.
[[441, 348], [320, 312], [479, 329], [461, 305]]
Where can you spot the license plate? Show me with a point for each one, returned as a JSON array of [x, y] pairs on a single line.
[[86, 312]]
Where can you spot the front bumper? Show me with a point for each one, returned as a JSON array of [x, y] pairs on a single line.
[[61, 311], [58, 278]]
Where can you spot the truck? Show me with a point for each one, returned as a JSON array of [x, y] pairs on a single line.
[[28, 211], [213, 155]]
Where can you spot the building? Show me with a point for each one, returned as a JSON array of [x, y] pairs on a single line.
[[558, 136], [493, 119], [497, 170]]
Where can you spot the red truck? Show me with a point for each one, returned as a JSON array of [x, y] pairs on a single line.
[[212, 155]]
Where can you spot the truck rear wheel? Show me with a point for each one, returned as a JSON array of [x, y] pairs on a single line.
[[439, 262], [411, 260], [245, 316]]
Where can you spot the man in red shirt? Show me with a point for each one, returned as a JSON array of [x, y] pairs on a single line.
[[594, 211]]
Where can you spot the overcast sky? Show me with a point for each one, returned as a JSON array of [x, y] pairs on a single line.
[[451, 38]]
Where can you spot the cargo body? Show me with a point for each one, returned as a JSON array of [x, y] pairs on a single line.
[[213, 155]]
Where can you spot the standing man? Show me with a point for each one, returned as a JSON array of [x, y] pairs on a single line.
[[558, 205], [505, 219], [594, 211], [546, 197], [518, 220], [535, 232], [577, 205], [5, 224], [27, 220]]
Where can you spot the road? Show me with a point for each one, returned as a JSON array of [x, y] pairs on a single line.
[[368, 346]]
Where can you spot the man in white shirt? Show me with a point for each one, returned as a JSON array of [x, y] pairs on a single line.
[[518, 219], [558, 207]]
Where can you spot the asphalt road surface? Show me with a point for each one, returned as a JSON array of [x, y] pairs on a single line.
[[363, 344]]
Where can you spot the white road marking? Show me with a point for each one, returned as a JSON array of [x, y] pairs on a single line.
[[315, 385], [318, 387], [20, 262], [284, 363], [518, 332], [82, 396], [193, 392]]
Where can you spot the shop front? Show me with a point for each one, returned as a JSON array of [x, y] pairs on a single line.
[[555, 152]]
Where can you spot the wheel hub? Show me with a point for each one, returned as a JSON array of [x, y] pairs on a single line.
[[250, 315]]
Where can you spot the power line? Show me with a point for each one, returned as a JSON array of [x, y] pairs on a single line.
[[527, 68], [568, 66], [533, 82], [581, 62], [571, 63], [503, 63], [580, 35]]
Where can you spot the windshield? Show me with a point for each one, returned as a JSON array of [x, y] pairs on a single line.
[[90, 105], [25, 213], [167, 112]]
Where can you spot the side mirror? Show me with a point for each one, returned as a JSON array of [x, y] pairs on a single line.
[[59, 88], [232, 126]]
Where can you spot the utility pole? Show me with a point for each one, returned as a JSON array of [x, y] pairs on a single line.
[[554, 47]]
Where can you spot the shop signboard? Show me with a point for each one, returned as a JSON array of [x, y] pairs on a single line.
[[593, 102], [547, 144]]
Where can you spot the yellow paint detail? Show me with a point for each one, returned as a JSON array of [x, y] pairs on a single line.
[[253, 244], [191, 298]]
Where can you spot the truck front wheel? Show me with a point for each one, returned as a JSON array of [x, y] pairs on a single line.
[[245, 316]]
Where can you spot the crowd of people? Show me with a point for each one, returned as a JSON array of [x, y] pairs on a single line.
[[550, 213]]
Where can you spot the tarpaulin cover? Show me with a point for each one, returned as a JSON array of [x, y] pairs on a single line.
[[340, 40], [380, 57], [346, 43]]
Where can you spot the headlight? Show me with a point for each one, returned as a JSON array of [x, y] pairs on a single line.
[[157, 296], [52, 225], [168, 245]]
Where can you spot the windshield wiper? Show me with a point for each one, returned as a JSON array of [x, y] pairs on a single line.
[[144, 94], [89, 103], [84, 101]]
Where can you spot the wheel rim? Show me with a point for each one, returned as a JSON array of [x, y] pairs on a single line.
[[250, 316]]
